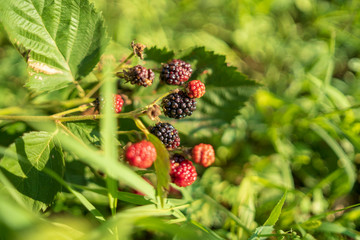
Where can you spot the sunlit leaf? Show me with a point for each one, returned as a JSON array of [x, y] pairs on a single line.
[[61, 41]]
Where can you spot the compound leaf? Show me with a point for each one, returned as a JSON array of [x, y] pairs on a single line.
[[227, 89], [61, 40], [24, 163]]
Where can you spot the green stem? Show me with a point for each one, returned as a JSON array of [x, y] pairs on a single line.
[[97, 86], [58, 117], [80, 89], [162, 96], [78, 109], [131, 114]]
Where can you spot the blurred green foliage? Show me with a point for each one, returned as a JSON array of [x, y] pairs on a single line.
[[298, 133]]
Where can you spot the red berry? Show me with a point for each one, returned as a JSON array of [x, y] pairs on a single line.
[[195, 89], [203, 154], [118, 103], [141, 154], [182, 171]]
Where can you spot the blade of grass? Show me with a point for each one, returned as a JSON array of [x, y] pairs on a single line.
[[345, 160], [228, 213]]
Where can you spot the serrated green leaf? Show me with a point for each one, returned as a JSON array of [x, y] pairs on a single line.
[[227, 89], [158, 55], [24, 162], [61, 41], [88, 131], [162, 166], [275, 213]]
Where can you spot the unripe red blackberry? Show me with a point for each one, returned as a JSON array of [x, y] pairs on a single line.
[[167, 134], [118, 103], [203, 154], [178, 105], [141, 154], [182, 171], [138, 75], [195, 89], [117, 106], [176, 72]]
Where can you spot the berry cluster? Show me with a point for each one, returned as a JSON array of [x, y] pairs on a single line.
[[178, 104]]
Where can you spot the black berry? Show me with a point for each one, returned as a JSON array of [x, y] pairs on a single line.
[[178, 105], [167, 134], [176, 72]]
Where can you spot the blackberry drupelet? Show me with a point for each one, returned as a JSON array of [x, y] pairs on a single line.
[[167, 134], [176, 72], [178, 105]]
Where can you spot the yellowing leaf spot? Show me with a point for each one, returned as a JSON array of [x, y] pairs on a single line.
[[43, 68]]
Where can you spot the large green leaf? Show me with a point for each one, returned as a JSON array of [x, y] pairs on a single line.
[[61, 40], [226, 88], [24, 162]]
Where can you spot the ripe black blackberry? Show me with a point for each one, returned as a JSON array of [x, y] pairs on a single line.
[[138, 75], [178, 105], [176, 72], [167, 134]]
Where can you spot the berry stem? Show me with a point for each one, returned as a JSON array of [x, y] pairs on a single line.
[[80, 89], [78, 109], [96, 87], [141, 126], [59, 116], [159, 98], [132, 114]]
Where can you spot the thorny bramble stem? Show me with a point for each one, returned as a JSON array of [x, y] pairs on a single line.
[[60, 118]]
